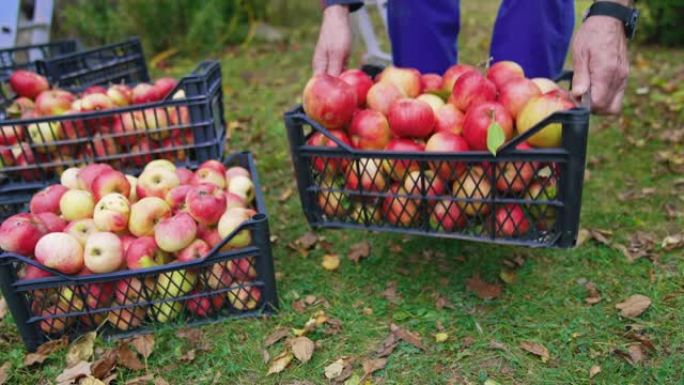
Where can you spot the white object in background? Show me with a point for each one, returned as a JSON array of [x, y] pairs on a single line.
[[18, 30], [364, 27]]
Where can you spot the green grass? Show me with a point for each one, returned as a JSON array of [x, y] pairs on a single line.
[[544, 305]]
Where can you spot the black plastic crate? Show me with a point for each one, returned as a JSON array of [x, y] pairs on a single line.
[[186, 131], [242, 281], [477, 186]]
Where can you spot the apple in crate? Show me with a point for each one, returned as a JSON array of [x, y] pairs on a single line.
[[197, 250], [434, 101], [360, 82], [54, 102], [447, 142], [156, 182], [545, 85], [184, 175], [452, 74], [411, 118], [243, 187], [397, 168], [398, 209], [514, 176], [206, 203], [120, 94], [334, 163], [165, 311], [112, 212], [175, 233], [175, 283], [44, 134], [110, 181], [511, 221], [244, 298], [473, 184], [28, 84], [47, 200], [10, 135], [382, 95], [516, 93], [365, 174], [205, 305], [165, 85], [143, 252], [369, 130], [447, 216], [145, 93], [407, 80], [471, 89], [235, 171], [329, 101], [133, 290], [230, 221], [480, 118], [431, 82], [89, 173], [145, 214], [76, 204], [211, 176], [424, 183], [60, 251], [20, 233], [538, 109], [52, 222], [55, 322], [81, 229], [242, 269], [502, 72], [103, 252], [125, 319]]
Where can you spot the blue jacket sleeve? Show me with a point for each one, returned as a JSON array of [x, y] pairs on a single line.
[[353, 4]]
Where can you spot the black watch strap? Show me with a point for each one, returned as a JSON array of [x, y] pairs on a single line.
[[628, 16]]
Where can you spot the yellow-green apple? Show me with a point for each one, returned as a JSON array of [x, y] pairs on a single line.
[[365, 174], [52, 222], [471, 89], [184, 175], [110, 181], [411, 118], [146, 214], [54, 321], [175, 283], [165, 85], [502, 72], [175, 233], [382, 95], [87, 175], [448, 118], [197, 250], [44, 134], [103, 252], [329, 101], [447, 216], [20, 233], [22, 155], [543, 215], [19, 106], [133, 182], [480, 118], [161, 163], [164, 312], [431, 82], [333, 203], [10, 135], [145, 93], [176, 197], [206, 202], [545, 85], [369, 130], [209, 175], [205, 305], [47, 199], [27, 83], [433, 100], [406, 79], [333, 164], [243, 187], [156, 182], [538, 109], [360, 82], [125, 319], [516, 93], [111, 213], [397, 168], [95, 102], [244, 298], [474, 189], [443, 141], [424, 183], [213, 164], [209, 234], [242, 269], [230, 221], [452, 74], [133, 290], [217, 277], [69, 178], [76, 204], [511, 221], [128, 128], [156, 123], [398, 209], [362, 213], [54, 102], [514, 176], [60, 251], [120, 94], [143, 252], [81, 229]]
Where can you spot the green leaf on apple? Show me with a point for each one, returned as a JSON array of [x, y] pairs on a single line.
[[495, 137]]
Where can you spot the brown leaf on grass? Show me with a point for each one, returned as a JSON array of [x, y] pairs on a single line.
[[407, 336], [387, 346], [143, 380], [633, 356], [331, 262], [334, 326], [359, 251], [90, 380], [593, 295], [128, 358], [483, 289], [634, 306], [372, 365], [508, 276], [307, 241], [103, 367], [538, 350], [280, 362], [70, 375], [44, 351], [671, 211], [302, 348], [339, 370], [188, 356], [390, 293], [635, 194], [286, 194], [276, 336], [160, 381], [299, 306], [265, 356], [593, 371], [640, 245], [3, 308], [442, 302], [672, 242], [195, 338], [498, 345], [643, 340], [144, 345], [4, 372], [673, 136], [81, 349]]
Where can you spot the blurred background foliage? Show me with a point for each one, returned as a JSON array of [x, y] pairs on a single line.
[[662, 22]]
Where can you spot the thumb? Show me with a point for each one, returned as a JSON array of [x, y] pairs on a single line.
[[581, 80]]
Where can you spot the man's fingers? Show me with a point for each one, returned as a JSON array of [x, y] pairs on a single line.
[[616, 105], [581, 80], [336, 63], [319, 62]]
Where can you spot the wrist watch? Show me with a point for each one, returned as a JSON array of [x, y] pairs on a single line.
[[628, 16]]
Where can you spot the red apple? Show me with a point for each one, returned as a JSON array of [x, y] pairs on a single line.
[[211, 176], [406, 79], [213, 164], [447, 216], [360, 82], [10, 135], [242, 269], [126, 241], [52, 222], [502, 72], [89, 173], [448, 118], [197, 250], [175, 233], [19, 107], [234, 200], [141, 152], [329, 101], [333, 164], [244, 298], [511, 221], [474, 190], [23, 156], [366, 174], [206, 305], [176, 197], [472, 89], [60, 251], [20, 233], [424, 183], [411, 118], [28, 84], [165, 85], [514, 176], [209, 234], [110, 181], [397, 169], [184, 175], [143, 252], [33, 272], [120, 94], [54, 102], [94, 90], [98, 295], [382, 95], [398, 209], [516, 93], [480, 118], [447, 142], [206, 203], [452, 74], [431, 82], [133, 290], [145, 93], [369, 130], [538, 109], [47, 200]]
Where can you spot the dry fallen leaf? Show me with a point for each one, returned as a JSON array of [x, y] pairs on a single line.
[[4, 372], [339, 370], [3, 308], [44, 351], [636, 355], [672, 242], [538, 350], [387, 346], [508, 276], [634, 306], [144, 380], [144, 345], [81, 349], [128, 358], [276, 336], [593, 295], [483, 289], [75, 372], [302, 348], [441, 337], [307, 241], [372, 365], [160, 381], [286, 194], [90, 380], [331, 262], [280, 362], [359, 251], [442, 302], [103, 367], [390, 293], [594, 371], [407, 336]]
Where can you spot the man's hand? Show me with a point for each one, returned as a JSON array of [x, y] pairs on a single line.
[[601, 63], [334, 41]]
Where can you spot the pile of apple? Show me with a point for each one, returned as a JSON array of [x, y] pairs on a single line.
[[406, 111], [133, 132], [99, 220]]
